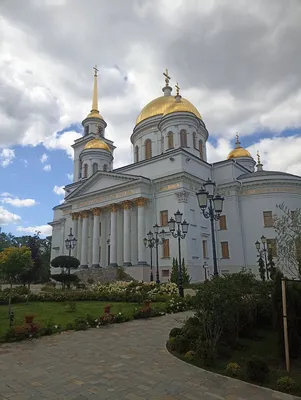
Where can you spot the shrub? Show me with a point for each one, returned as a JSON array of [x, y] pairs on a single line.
[[181, 344], [175, 332], [171, 343], [205, 352], [17, 290], [233, 369], [190, 355], [286, 384], [80, 324], [16, 333], [257, 369]]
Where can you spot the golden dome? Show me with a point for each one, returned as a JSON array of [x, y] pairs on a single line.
[[94, 114], [165, 105], [97, 144], [238, 151]]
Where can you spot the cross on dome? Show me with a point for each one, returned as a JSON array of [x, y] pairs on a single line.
[[167, 77], [95, 70]]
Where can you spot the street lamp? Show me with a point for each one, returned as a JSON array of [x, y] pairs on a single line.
[[70, 244], [154, 242], [215, 207], [179, 230], [263, 251]]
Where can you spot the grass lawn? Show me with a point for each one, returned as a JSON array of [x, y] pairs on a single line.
[[57, 313], [265, 346]]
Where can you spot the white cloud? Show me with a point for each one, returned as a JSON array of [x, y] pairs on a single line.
[[70, 177], [7, 198], [47, 168], [44, 158], [7, 217], [46, 230], [6, 157], [59, 190]]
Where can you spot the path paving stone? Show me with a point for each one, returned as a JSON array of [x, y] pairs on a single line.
[[124, 362]]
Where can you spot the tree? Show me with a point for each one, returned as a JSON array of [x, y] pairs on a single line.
[[65, 263], [14, 261], [175, 272], [185, 274], [288, 229]]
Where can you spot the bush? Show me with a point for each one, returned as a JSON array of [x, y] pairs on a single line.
[[171, 343], [175, 332], [80, 324], [17, 290], [190, 355], [257, 369], [233, 369], [205, 352], [181, 344], [286, 384]]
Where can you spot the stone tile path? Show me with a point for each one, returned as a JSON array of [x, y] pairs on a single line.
[[123, 362]]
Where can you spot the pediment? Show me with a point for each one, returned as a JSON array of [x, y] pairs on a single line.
[[101, 181]]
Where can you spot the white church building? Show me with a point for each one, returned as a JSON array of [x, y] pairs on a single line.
[[111, 210]]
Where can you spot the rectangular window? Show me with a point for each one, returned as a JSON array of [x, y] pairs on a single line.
[[166, 248], [194, 140], [222, 223], [87, 130], [205, 252], [225, 250], [164, 218], [272, 246], [267, 219], [100, 229], [201, 150], [165, 273]]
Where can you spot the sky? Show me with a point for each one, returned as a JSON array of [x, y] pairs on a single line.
[[238, 62]]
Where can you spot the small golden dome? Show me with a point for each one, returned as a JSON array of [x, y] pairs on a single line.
[[238, 151], [94, 114], [97, 144], [160, 105]]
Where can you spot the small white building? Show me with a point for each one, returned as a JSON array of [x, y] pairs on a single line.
[[111, 210]]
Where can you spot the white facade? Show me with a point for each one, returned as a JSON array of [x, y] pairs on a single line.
[[111, 211]]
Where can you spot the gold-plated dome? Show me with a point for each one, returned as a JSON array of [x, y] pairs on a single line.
[[165, 105], [97, 144], [94, 114], [238, 151]]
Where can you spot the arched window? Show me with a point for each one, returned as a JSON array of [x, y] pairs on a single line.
[[95, 167], [85, 170], [201, 149], [148, 149], [136, 154], [183, 138], [194, 140], [170, 140], [80, 170], [87, 130], [105, 167]]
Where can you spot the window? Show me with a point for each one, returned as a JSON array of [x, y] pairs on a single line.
[[100, 229], [170, 140], [166, 248], [148, 149], [86, 130], [95, 167], [165, 273], [222, 223], [272, 247], [136, 154], [164, 218], [80, 169], [201, 150], [268, 219], [105, 167], [205, 252], [194, 140], [225, 250], [86, 171], [183, 138]]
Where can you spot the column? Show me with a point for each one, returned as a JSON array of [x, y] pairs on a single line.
[[75, 217], [95, 241], [113, 237], [141, 202], [126, 234], [84, 247]]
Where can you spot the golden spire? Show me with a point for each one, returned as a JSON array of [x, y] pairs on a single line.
[[167, 77], [177, 88], [95, 94]]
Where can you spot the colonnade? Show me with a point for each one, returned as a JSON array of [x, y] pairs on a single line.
[[80, 229]]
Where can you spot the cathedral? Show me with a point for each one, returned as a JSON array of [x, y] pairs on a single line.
[[111, 210]]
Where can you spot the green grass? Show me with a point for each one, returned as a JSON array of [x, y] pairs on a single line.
[[57, 313]]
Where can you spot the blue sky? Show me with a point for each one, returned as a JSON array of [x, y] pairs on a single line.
[[238, 62]]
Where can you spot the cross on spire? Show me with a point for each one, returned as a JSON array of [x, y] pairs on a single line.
[[178, 88], [237, 138], [258, 158], [167, 77], [95, 70]]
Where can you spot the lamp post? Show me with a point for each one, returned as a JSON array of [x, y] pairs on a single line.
[[263, 250], [70, 244], [179, 232], [205, 266], [215, 207], [154, 242]]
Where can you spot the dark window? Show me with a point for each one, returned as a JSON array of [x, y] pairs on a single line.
[[95, 167], [148, 149], [183, 138], [170, 140], [136, 154], [87, 130], [86, 171]]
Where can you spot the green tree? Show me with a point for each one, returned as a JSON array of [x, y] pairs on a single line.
[[185, 274], [14, 261], [175, 272], [66, 263]]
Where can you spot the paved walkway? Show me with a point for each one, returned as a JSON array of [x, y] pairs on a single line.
[[123, 362]]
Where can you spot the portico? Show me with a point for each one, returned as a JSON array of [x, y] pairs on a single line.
[[105, 223]]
